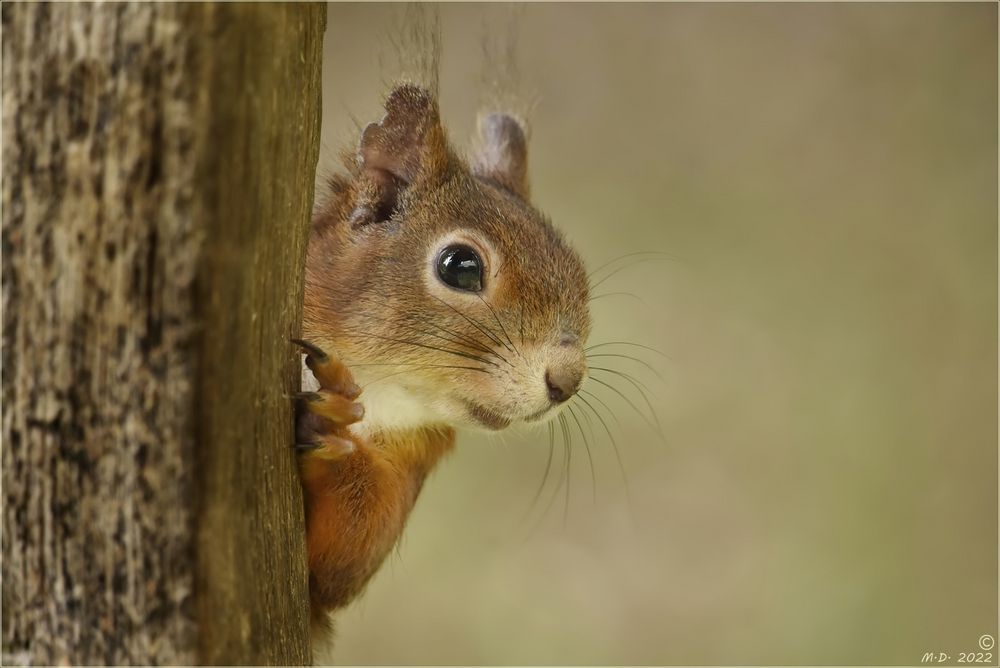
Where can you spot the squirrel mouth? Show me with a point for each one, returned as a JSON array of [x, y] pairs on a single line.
[[486, 417]]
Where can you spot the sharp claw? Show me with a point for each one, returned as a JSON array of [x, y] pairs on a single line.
[[334, 448], [308, 396], [307, 447], [313, 350]]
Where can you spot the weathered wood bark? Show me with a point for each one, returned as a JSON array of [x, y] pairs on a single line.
[[264, 123], [158, 165]]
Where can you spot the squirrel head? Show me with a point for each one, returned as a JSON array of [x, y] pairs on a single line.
[[452, 299]]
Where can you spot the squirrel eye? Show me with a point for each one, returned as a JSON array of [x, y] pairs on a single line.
[[461, 268]]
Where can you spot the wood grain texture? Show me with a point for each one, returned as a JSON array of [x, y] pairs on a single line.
[[265, 99], [158, 167]]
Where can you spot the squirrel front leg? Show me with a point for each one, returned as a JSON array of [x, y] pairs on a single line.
[[356, 501]]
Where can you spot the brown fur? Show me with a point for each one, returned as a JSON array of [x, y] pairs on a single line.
[[356, 508], [372, 299]]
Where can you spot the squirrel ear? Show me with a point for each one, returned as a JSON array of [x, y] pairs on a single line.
[[503, 153], [409, 141]]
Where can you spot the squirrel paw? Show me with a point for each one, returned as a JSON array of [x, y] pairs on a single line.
[[324, 415]]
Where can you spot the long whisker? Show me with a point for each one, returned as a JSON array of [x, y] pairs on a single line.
[[608, 408], [412, 364], [466, 340], [586, 417], [492, 337], [628, 255], [629, 357], [563, 477], [629, 402], [459, 353], [502, 328], [638, 385], [471, 342], [474, 344], [545, 476], [614, 443], [624, 374], [439, 366], [450, 340], [625, 343], [460, 339], [567, 437], [590, 458], [619, 294], [641, 260]]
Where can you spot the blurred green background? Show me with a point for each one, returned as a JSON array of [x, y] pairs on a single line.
[[825, 179]]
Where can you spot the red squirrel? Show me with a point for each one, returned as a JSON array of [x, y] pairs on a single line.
[[436, 296]]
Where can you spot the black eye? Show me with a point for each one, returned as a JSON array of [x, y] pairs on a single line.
[[461, 268]]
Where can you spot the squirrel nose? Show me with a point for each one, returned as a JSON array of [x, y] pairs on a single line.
[[562, 384]]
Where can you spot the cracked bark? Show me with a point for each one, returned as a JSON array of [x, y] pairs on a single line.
[[158, 166]]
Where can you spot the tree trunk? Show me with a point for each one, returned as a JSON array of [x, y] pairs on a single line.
[[158, 166]]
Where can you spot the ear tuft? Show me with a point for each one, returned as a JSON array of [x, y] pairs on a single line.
[[409, 140], [503, 153]]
